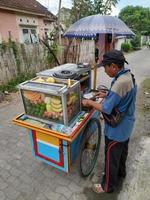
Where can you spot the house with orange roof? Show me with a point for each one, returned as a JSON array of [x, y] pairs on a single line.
[[24, 21]]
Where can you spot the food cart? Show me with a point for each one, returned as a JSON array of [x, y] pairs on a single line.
[[61, 131]]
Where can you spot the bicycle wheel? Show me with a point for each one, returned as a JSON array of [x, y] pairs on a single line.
[[89, 147]]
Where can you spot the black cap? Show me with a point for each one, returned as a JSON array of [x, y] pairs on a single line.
[[113, 56]]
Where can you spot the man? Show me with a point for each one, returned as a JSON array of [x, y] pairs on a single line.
[[122, 95]]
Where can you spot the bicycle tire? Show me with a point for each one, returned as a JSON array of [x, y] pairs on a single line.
[[84, 146]]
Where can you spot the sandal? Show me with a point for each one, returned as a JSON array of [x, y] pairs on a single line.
[[97, 188]]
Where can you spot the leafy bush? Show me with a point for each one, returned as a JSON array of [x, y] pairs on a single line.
[[11, 85], [3, 46], [126, 47], [136, 42], [55, 49]]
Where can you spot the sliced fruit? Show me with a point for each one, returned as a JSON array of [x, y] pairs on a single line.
[[47, 100], [50, 80], [39, 80], [48, 108], [32, 96]]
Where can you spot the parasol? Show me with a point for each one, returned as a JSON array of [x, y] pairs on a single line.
[[89, 27]]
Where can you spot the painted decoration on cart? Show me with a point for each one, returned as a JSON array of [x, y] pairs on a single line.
[[49, 149]]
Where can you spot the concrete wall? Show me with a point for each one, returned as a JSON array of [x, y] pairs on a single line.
[[8, 26], [118, 42], [29, 58], [41, 30], [33, 58]]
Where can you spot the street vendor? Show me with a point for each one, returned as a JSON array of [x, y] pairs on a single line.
[[121, 96]]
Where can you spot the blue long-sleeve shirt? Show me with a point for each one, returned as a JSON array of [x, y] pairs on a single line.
[[122, 95]]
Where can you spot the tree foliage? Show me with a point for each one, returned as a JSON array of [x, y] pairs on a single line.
[[103, 7], [137, 18], [65, 17], [83, 8], [136, 42]]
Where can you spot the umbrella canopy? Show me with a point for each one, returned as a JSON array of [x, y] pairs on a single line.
[[89, 27]]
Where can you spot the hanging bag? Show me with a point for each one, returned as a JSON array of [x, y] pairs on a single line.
[[116, 116]]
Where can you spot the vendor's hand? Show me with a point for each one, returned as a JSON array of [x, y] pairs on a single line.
[[86, 102], [101, 94]]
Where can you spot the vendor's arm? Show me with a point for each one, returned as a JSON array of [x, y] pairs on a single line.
[[111, 100], [93, 104], [101, 94]]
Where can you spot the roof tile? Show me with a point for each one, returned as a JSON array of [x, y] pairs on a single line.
[[26, 5]]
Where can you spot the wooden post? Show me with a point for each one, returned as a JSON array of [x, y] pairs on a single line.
[[59, 25], [95, 76], [95, 61]]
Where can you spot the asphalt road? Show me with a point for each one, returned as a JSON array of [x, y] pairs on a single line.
[[24, 178], [139, 63]]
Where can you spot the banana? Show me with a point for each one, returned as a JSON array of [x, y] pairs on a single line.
[[57, 106], [55, 101], [56, 109]]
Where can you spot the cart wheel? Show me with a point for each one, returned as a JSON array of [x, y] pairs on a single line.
[[89, 147]]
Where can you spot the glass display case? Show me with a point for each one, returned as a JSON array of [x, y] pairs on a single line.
[[51, 99]]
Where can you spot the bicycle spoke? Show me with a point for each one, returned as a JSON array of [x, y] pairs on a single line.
[[90, 148]]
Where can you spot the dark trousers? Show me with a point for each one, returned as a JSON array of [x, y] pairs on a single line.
[[115, 163]]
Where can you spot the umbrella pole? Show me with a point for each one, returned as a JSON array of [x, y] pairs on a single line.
[[95, 63], [95, 76]]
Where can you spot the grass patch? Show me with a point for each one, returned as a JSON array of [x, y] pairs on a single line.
[[146, 84], [146, 108], [146, 87], [11, 85]]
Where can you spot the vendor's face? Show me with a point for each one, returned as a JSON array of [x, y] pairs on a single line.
[[110, 70]]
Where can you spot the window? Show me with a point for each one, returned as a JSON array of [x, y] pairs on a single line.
[[29, 35]]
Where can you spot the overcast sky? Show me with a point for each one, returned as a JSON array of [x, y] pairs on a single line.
[[52, 5]]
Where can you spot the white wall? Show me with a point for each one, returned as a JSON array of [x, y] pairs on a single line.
[[118, 43]]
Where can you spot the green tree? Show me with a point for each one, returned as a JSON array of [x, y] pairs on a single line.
[[65, 16], [98, 7], [103, 7], [137, 18], [83, 8], [136, 42]]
